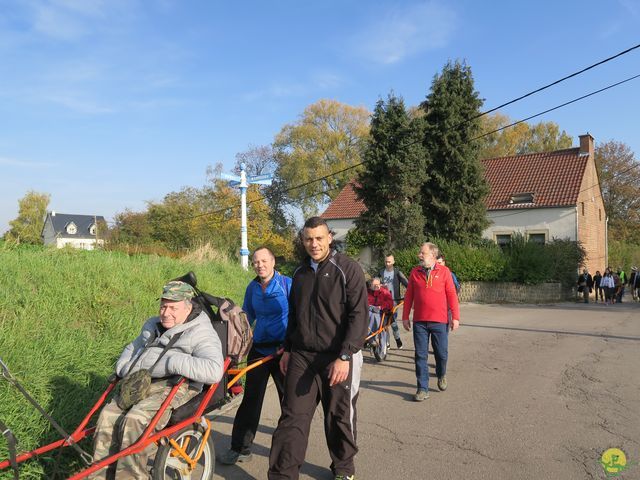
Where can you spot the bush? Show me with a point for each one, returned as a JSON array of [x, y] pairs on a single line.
[[522, 262]]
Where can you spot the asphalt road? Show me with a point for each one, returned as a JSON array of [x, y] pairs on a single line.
[[535, 392]]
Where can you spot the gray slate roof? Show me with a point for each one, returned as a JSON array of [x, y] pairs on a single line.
[[82, 222]]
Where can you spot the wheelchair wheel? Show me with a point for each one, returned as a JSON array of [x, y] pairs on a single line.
[[380, 350], [169, 464]]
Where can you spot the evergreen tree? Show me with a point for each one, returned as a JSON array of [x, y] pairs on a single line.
[[453, 195], [394, 170]]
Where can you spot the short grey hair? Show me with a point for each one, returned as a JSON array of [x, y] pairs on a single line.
[[433, 248]]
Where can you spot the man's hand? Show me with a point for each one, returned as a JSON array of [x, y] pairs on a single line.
[[284, 362], [338, 372], [407, 325], [455, 324]]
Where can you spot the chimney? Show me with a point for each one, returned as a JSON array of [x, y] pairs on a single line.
[[586, 144]]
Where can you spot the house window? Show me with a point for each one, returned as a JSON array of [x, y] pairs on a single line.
[[600, 214], [92, 229], [521, 198], [503, 240], [582, 204], [540, 238], [72, 229]]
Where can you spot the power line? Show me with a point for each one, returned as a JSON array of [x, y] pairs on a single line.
[[556, 82], [351, 167], [310, 182], [558, 106]]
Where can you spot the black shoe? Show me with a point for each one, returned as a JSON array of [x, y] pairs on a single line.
[[399, 344], [232, 457]]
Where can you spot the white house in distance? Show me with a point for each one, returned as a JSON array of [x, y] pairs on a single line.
[[539, 195], [78, 231]]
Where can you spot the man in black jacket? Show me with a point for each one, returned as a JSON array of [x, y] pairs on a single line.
[[322, 357], [392, 277]]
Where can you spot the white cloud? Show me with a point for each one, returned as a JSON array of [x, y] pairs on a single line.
[[405, 32], [631, 6], [79, 104], [13, 162], [322, 80]]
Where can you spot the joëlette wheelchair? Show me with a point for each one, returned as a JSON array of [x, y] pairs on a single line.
[[185, 447], [377, 339]]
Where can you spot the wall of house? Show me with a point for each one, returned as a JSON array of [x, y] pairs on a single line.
[[592, 220], [341, 227], [554, 222], [81, 243]]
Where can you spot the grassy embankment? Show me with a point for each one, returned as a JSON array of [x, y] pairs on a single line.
[[65, 316]]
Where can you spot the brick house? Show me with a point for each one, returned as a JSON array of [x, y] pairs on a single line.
[[78, 231], [540, 195]]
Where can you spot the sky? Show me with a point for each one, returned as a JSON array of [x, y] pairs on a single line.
[[108, 104]]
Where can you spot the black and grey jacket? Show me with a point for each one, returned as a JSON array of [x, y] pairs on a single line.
[[398, 278], [328, 308]]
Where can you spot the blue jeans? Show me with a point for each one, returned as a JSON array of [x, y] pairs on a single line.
[[439, 334]]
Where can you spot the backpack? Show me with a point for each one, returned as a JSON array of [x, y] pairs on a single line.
[[239, 333], [228, 321]]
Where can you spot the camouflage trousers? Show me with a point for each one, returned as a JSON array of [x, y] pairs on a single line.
[[117, 430]]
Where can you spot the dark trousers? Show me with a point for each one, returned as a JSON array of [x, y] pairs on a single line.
[[599, 291], [306, 384], [439, 334], [247, 418]]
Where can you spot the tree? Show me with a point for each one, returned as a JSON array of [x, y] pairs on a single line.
[[328, 138], [389, 184], [521, 138], [453, 194], [620, 183], [259, 161], [27, 226]]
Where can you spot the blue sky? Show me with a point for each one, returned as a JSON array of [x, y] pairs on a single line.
[[107, 104]]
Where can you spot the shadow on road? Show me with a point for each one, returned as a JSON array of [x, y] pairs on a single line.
[[560, 332], [385, 387]]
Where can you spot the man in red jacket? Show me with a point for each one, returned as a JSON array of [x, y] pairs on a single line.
[[430, 293]]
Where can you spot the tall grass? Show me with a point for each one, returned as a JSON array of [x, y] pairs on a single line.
[[65, 316]]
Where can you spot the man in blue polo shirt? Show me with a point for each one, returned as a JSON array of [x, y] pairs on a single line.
[[266, 303]]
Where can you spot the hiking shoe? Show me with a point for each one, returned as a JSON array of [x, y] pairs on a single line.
[[344, 477], [421, 395], [399, 344], [442, 383], [232, 457]]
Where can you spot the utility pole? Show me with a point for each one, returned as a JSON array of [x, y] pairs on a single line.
[[243, 183]]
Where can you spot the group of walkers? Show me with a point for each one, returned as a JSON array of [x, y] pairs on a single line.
[[609, 288], [318, 319]]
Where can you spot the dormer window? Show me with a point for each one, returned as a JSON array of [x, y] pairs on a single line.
[[72, 229], [92, 229], [521, 198]]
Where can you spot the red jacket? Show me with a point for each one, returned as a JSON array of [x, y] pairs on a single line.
[[431, 297], [381, 298]]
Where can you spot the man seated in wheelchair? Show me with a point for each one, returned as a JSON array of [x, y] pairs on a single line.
[[380, 301], [179, 342]]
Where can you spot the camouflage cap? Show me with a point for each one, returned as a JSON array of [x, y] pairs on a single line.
[[177, 291]]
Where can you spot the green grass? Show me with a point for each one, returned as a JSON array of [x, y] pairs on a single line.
[[65, 316]]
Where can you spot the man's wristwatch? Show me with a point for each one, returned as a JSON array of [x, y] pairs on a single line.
[[345, 357]]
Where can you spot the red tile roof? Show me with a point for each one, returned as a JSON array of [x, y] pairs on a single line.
[[345, 205], [554, 179]]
